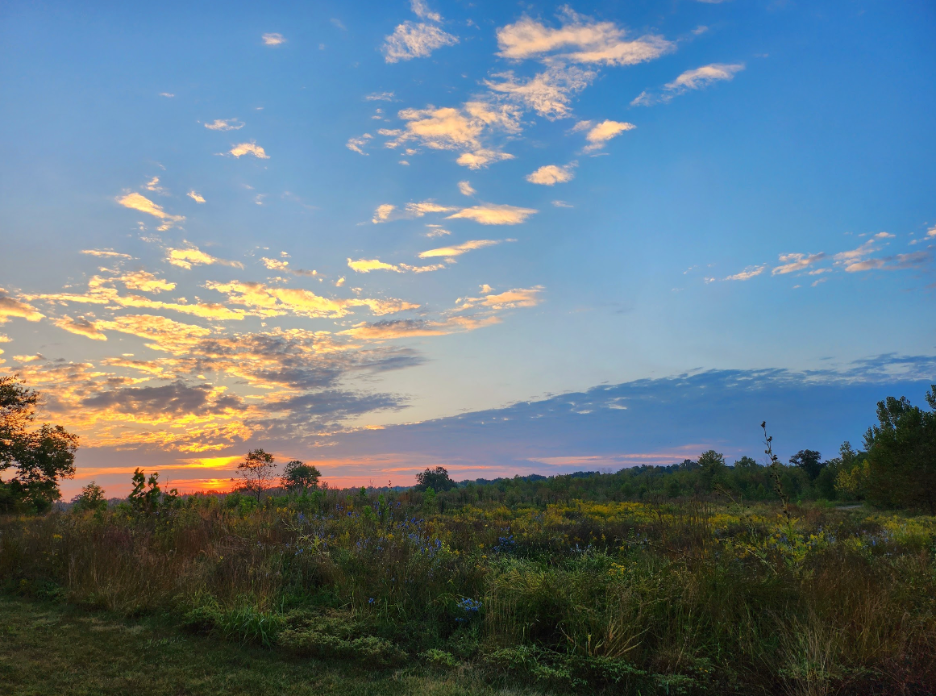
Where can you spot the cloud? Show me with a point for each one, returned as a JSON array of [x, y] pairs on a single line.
[[368, 265], [380, 96], [145, 282], [153, 185], [176, 398], [599, 134], [268, 301], [548, 93], [421, 10], [466, 190], [518, 297], [163, 333], [699, 78], [357, 144], [106, 253], [250, 148], [11, 307], [551, 174], [891, 263], [411, 40], [273, 39], [796, 262], [382, 213], [225, 124], [283, 266], [931, 232], [423, 207], [579, 40], [135, 201], [169, 95], [459, 249], [748, 273], [195, 197], [193, 256], [491, 214], [415, 328], [562, 204], [82, 327], [465, 130]]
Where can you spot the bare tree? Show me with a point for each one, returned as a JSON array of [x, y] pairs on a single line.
[[257, 472]]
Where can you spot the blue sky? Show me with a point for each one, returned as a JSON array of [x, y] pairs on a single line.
[[582, 195]]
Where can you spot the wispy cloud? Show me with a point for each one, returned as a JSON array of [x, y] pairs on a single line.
[[273, 39], [748, 273], [423, 207], [518, 297], [598, 134], [283, 267], [250, 148], [189, 256], [368, 265], [357, 144], [382, 213], [552, 174], [790, 263], [380, 96], [466, 190], [11, 307], [459, 249], [225, 124], [417, 40], [135, 201], [145, 282], [490, 214], [195, 197], [82, 327], [549, 93], [106, 253], [698, 78]]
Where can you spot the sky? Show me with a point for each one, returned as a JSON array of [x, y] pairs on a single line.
[[502, 238]]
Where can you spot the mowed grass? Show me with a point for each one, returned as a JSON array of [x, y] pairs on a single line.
[[58, 649]]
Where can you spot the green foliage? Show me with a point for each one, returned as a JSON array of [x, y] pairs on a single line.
[[902, 455], [437, 479], [809, 461], [41, 456], [299, 476], [91, 499], [256, 472]]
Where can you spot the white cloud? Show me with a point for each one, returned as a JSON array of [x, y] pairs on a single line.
[[225, 124], [273, 39], [548, 93], [599, 134], [106, 253], [382, 214], [153, 185], [459, 249], [518, 297], [491, 214], [551, 174], [368, 265], [481, 158], [698, 78], [436, 231], [195, 197], [143, 204], [421, 10], [168, 95], [249, 149], [790, 263], [748, 273], [379, 96], [579, 40], [465, 189], [411, 40], [420, 209], [931, 232], [562, 204], [357, 144]]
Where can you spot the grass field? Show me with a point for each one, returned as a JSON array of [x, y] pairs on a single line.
[[470, 596]]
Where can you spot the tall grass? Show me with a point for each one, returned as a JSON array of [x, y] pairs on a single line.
[[681, 597]]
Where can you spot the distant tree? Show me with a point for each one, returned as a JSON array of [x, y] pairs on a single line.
[[853, 473], [91, 498], [257, 472], [809, 461], [437, 479], [712, 465], [146, 495], [41, 456], [746, 463], [902, 455], [299, 475]]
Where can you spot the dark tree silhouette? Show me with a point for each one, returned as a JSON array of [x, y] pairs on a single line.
[[437, 479]]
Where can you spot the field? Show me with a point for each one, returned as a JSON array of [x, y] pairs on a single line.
[[463, 593]]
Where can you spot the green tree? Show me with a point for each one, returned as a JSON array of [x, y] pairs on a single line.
[[41, 456], [902, 455], [809, 461], [437, 479], [257, 472], [712, 466], [852, 473], [91, 498], [746, 463], [300, 476], [146, 495]]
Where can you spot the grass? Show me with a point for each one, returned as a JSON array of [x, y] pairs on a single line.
[[54, 649], [675, 597]]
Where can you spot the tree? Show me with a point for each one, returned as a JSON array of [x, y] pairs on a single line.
[[901, 455], [145, 499], [712, 465], [41, 456], [257, 472], [299, 475], [91, 498], [809, 461], [437, 479], [746, 463]]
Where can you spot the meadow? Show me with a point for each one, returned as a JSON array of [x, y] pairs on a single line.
[[544, 593]]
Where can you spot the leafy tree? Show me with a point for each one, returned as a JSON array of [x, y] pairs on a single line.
[[902, 455], [853, 473], [257, 472], [299, 475], [41, 456], [91, 498], [712, 465], [746, 463], [146, 495], [809, 461], [437, 479]]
